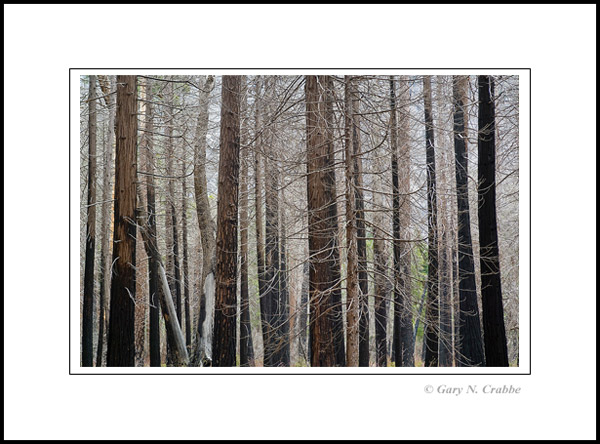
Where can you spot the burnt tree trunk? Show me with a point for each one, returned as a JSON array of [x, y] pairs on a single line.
[[380, 261], [432, 314], [121, 347], [87, 333], [494, 333], [361, 233], [224, 336], [321, 231], [105, 228], [337, 311], [403, 346], [407, 344], [470, 342], [272, 262]]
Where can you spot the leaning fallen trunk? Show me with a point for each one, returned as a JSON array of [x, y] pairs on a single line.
[[174, 332]]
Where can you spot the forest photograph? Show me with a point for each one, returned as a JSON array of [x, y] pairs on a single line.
[[297, 220], [300, 222]]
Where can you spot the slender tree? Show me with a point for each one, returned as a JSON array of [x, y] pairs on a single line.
[[405, 330], [104, 225], [433, 309], [205, 223], [470, 342], [361, 233], [494, 333], [380, 263], [246, 347], [185, 264], [87, 336], [121, 348], [403, 345], [150, 222], [352, 289], [224, 342], [334, 250]]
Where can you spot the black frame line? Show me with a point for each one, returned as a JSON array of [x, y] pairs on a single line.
[[306, 374]]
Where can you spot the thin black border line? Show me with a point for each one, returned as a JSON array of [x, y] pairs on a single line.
[[308, 374]]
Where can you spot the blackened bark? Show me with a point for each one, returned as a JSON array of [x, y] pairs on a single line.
[[403, 346], [381, 296], [224, 336], [397, 248], [153, 276], [331, 199], [470, 342], [283, 325], [433, 309], [87, 333], [121, 347], [494, 333], [361, 232], [273, 276]]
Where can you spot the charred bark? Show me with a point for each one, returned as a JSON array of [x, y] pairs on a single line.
[[87, 334], [121, 347], [494, 332], [470, 342], [433, 309]]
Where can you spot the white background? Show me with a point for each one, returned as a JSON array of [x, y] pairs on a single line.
[[42, 400]]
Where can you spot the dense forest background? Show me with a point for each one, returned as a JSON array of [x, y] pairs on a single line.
[[398, 224]]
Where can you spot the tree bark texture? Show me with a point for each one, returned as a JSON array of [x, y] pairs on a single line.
[[470, 341], [432, 314], [87, 334], [224, 337], [494, 332], [121, 348]]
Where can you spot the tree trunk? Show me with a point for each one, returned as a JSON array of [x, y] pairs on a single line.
[[331, 197], [361, 244], [303, 316], [380, 263], [105, 228], [87, 335], [352, 289], [433, 309], [246, 347], [224, 342], [470, 343], [284, 302], [150, 224], [272, 263], [121, 348], [494, 333], [407, 344], [321, 229], [205, 220], [403, 345], [186, 277]]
